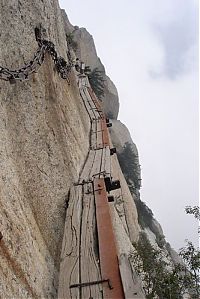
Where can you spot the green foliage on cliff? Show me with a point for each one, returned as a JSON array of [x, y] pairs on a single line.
[[130, 167], [128, 161], [97, 82], [159, 278], [145, 215], [191, 258]]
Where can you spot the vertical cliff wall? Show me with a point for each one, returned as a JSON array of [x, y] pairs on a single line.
[[44, 132], [86, 51]]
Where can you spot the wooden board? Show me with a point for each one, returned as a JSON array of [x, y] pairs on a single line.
[[106, 161], [93, 135], [70, 255], [92, 105], [85, 175], [87, 105], [96, 167], [99, 134], [94, 98], [90, 269], [131, 285]]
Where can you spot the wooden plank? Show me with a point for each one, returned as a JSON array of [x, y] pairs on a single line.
[[107, 246], [93, 135], [95, 99], [102, 175], [85, 175], [99, 134], [90, 99], [131, 285], [87, 105], [90, 269], [106, 162], [92, 105], [96, 167], [82, 81], [69, 266]]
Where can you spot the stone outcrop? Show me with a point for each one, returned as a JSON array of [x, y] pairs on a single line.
[[86, 52]]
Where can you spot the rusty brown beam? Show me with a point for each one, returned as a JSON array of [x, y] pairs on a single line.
[[107, 247], [105, 136]]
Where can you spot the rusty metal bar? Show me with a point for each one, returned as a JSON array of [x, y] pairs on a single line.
[[86, 284], [107, 247], [105, 136]]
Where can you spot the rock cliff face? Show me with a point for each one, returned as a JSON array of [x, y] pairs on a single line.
[[86, 52], [44, 141], [44, 129]]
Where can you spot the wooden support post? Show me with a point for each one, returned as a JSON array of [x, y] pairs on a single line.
[[107, 247]]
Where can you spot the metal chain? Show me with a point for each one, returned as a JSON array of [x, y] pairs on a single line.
[[23, 73]]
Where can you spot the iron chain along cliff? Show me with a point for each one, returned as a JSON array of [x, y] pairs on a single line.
[[71, 214]]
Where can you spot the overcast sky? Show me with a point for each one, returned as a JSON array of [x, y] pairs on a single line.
[[149, 50]]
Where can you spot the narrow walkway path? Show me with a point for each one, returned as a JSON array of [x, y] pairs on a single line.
[[89, 265]]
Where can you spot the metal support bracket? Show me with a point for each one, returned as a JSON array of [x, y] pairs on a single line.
[[113, 151], [86, 284]]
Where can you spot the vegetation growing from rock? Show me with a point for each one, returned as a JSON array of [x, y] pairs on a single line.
[[130, 167], [159, 277], [97, 82], [128, 161]]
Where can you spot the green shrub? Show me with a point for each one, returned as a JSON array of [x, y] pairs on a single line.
[[159, 280], [97, 82], [128, 161]]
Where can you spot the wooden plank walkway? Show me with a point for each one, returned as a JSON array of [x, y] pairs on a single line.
[[89, 265]]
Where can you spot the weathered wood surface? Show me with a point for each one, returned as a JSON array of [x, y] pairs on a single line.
[[70, 255], [90, 268], [92, 103], [85, 175], [87, 104], [93, 135], [99, 134], [93, 110], [95, 100], [96, 167], [79, 257], [88, 256], [132, 287], [106, 162]]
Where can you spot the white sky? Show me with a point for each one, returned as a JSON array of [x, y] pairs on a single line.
[[149, 49]]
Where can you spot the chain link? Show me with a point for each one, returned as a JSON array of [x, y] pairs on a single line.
[[23, 73]]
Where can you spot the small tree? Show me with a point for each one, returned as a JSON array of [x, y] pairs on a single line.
[[97, 82], [128, 161], [191, 258], [150, 265], [160, 279]]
